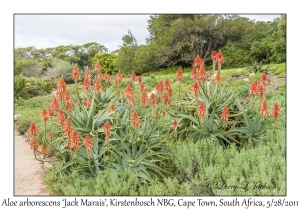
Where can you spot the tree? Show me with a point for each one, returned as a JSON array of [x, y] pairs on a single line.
[[59, 67], [29, 67], [126, 53], [106, 60]]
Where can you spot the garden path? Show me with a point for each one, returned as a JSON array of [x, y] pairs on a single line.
[[29, 173]]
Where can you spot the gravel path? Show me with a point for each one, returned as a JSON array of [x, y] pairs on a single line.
[[29, 172]]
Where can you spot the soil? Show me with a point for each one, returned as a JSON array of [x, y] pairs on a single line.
[[29, 173]]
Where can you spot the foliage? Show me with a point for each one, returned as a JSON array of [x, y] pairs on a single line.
[[257, 67], [28, 87], [60, 67], [126, 53], [107, 62], [28, 67]]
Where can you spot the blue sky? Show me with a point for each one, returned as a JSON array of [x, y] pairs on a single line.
[[44, 31]]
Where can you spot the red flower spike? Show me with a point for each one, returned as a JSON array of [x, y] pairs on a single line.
[[112, 107], [76, 74], [50, 134], [133, 76], [218, 79], [61, 118], [45, 116], [159, 87], [87, 73], [74, 141], [198, 62], [167, 85], [179, 74], [98, 67], [225, 114], [264, 109], [202, 73], [33, 130], [86, 84], [43, 149], [106, 129], [144, 99], [220, 58], [67, 128], [264, 80], [34, 144], [213, 55], [275, 111], [135, 121], [87, 102], [194, 74], [201, 110], [152, 100], [253, 88], [97, 87], [174, 126], [88, 143], [260, 91]]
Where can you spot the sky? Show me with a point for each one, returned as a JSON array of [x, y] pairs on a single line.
[[43, 31]]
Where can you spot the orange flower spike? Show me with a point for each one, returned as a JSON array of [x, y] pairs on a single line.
[[264, 80], [152, 100], [107, 78], [119, 76], [196, 88], [50, 134], [198, 62], [74, 141], [61, 85], [100, 76], [225, 114], [98, 87], [174, 126], [45, 116], [264, 109], [253, 88], [98, 66], [201, 110], [107, 129], [194, 74], [213, 55], [61, 118], [220, 58], [34, 144], [202, 73], [88, 143], [260, 91], [159, 87], [67, 128], [87, 73], [86, 84], [33, 130], [135, 121], [43, 149], [54, 104], [87, 102], [129, 92], [164, 99], [179, 74], [133, 76], [218, 79], [140, 80], [275, 111], [116, 83], [67, 98], [76, 74], [112, 107], [167, 85], [144, 98]]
